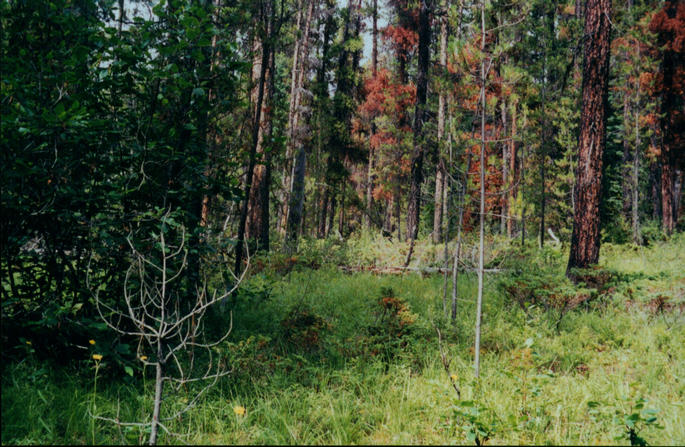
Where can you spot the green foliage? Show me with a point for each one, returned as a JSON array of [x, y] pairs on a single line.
[[477, 422], [102, 132], [339, 394], [652, 232]]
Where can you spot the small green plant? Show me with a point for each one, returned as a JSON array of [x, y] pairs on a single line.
[[630, 425], [477, 422], [635, 421]]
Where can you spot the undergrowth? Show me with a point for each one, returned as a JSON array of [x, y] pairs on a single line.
[[320, 356]]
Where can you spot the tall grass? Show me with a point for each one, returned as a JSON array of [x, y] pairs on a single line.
[[535, 386]]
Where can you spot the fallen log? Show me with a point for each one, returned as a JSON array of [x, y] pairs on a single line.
[[398, 270]]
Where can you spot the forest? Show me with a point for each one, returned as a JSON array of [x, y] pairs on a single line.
[[342, 222]]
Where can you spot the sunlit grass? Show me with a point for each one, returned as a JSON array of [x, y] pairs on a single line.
[[536, 381]]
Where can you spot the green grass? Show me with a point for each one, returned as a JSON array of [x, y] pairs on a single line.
[[535, 386]]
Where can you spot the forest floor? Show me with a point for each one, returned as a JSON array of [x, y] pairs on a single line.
[[324, 356]]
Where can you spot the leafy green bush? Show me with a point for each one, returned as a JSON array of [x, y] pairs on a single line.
[[652, 232]]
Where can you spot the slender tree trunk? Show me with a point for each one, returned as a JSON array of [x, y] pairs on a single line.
[[299, 71], [626, 178], [457, 250], [295, 141], [252, 157], [212, 136], [440, 171], [585, 239], [321, 232], [296, 202], [667, 190], [414, 205], [655, 188], [341, 216], [637, 237], [370, 175], [266, 183], [448, 203], [505, 171], [331, 213], [159, 386], [512, 189], [522, 163], [543, 155], [479, 300], [396, 201], [256, 204]]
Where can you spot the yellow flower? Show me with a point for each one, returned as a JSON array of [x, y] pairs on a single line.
[[143, 357], [239, 410], [453, 377], [92, 342], [97, 357], [28, 342]]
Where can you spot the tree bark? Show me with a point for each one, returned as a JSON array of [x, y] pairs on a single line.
[[512, 189], [585, 239], [299, 70], [252, 155], [479, 298], [296, 202], [256, 204], [414, 205], [669, 23], [370, 174], [505, 171], [440, 170], [635, 218]]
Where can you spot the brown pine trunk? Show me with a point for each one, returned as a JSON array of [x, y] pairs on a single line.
[[414, 205], [264, 61], [585, 239], [254, 230], [266, 181]]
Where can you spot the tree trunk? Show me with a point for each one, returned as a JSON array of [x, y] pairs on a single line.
[[414, 205], [667, 190], [637, 237], [321, 232], [522, 163], [671, 109], [457, 250], [585, 239], [252, 156], [331, 213], [254, 230], [512, 189], [543, 155], [266, 181], [299, 70], [159, 387], [370, 174], [505, 171], [440, 171], [479, 299], [296, 202]]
